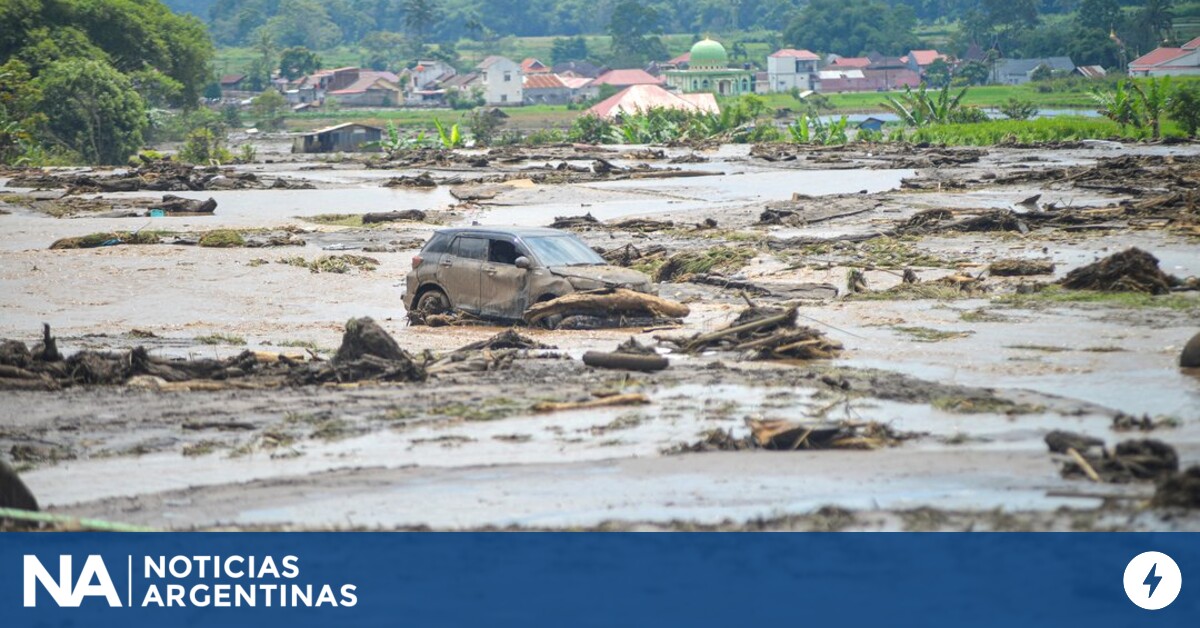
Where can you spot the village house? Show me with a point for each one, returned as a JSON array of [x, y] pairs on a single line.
[[1020, 71], [920, 60], [641, 98], [621, 79], [1182, 61], [233, 83], [790, 69], [501, 80], [577, 69], [546, 89], [348, 137], [352, 87], [533, 66], [424, 83]]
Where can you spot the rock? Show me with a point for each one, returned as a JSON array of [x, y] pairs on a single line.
[[178, 205], [363, 337], [1190, 357]]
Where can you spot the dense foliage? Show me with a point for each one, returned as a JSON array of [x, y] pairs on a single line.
[[81, 75]]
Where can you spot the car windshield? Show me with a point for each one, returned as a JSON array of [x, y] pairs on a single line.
[[564, 250]]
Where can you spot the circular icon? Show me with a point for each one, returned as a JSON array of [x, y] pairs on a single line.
[[1152, 580]]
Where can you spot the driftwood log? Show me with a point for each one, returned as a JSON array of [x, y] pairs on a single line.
[[407, 214], [606, 303]]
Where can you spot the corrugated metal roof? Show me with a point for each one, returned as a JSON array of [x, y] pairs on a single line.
[[1158, 56], [925, 57], [338, 127], [543, 81]]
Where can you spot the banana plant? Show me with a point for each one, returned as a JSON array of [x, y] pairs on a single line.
[[799, 130], [450, 137], [1152, 101], [1119, 105]]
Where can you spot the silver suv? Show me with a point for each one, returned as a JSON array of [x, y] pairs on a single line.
[[497, 272]]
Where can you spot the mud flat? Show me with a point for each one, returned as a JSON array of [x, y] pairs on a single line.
[[937, 271]]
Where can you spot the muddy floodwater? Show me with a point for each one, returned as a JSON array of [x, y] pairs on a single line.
[[887, 251]]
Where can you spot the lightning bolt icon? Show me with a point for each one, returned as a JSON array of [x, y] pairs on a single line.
[[1152, 580]]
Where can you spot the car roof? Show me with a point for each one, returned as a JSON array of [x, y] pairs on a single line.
[[520, 232]]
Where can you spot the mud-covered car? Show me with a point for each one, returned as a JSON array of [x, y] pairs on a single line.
[[498, 272]]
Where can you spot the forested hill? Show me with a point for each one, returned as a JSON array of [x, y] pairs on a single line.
[[332, 22]]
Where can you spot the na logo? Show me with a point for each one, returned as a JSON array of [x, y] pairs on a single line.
[[93, 581]]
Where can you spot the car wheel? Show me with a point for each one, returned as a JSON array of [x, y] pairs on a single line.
[[433, 302]]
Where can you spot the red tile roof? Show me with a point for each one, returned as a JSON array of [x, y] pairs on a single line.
[[533, 66], [925, 57], [796, 54], [1192, 45], [681, 59], [851, 62], [625, 78], [543, 81], [1158, 56]]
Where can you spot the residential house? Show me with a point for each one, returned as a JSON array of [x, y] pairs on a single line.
[[919, 60], [831, 80], [546, 89], [428, 74], [628, 78], [533, 66], [501, 79], [847, 63], [369, 88], [790, 69], [1182, 61], [581, 88], [580, 69], [681, 62], [639, 98], [233, 83], [1020, 71], [348, 137]]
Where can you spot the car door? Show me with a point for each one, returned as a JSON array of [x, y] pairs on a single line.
[[459, 271], [503, 292]]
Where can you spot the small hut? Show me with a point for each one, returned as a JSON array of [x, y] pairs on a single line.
[[348, 137]]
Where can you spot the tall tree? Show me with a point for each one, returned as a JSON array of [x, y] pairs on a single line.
[[92, 109], [634, 28], [419, 18], [298, 61]]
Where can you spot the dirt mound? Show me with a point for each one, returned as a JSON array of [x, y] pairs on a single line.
[[1131, 270], [1180, 490], [508, 339], [1190, 356]]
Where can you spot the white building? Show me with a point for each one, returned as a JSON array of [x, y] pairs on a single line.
[[789, 68], [1182, 61], [502, 81]]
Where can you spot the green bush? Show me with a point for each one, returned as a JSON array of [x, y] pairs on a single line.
[[205, 147]]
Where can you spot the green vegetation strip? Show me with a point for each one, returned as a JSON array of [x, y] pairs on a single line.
[[72, 523]]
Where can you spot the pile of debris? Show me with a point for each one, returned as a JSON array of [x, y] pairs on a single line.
[[1131, 270], [1131, 460], [607, 307], [629, 356], [763, 333], [160, 176], [630, 254], [495, 353], [783, 435], [367, 353], [1179, 490]]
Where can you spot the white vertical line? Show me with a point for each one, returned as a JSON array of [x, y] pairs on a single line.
[[129, 581]]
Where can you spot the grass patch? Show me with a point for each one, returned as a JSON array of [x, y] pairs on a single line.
[[1042, 348], [488, 410], [299, 344], [982, 316], [881, 252], [337, 220], [914, 292], [222, 239], [221, 339], [201, 448], [927, 334], [979, 405], [1056, 129], [340, 264], [110, 238], [721, 259], [1050, 295]]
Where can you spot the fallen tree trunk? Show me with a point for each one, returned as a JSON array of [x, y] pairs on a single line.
[[603, 402], [407, 214], [607, 302]]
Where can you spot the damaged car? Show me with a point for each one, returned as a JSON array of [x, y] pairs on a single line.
[[498, 272]]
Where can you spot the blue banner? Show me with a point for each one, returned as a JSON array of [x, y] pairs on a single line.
[[595, 579]]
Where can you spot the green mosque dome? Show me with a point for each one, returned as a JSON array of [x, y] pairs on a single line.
[[708, 54]]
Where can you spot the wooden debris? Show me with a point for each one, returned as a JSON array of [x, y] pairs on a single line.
[[629, 399], [764, 334], [606, 303]]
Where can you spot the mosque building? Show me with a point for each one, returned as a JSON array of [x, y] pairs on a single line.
[[708, 71]]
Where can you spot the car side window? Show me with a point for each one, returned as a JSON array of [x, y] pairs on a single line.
[[502, 252], [471, 248], [438, 244]]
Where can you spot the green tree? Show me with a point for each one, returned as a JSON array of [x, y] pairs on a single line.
[[259, 71], [938, 73], [1016, 109], [1041, 73], [304, 23], [1104, 15], [852, 27], [1184, 108], [269, 107], [298, 61], [572, 49], [972, 73], [384, 50], [419, 18], [92, 109], [635, 30], [1152, 99]]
